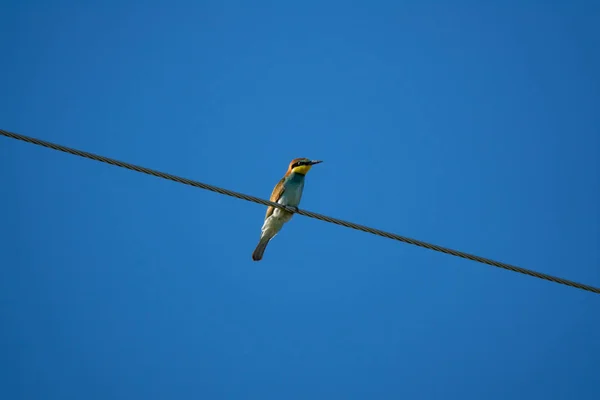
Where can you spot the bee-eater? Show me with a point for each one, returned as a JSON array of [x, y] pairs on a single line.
[[288, 192]]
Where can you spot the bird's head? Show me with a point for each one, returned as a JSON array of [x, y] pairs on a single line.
[[301, 165]]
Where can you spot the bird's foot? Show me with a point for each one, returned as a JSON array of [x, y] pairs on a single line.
[[291, 209]]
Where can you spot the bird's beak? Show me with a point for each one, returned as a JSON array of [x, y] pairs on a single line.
[[315, 162]]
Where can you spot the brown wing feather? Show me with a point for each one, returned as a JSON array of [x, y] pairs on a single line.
[[276, 195]]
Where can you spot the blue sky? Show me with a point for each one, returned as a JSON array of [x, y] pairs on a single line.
[[469, 125]]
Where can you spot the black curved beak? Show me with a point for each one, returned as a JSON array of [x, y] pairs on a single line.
[[315, 162]]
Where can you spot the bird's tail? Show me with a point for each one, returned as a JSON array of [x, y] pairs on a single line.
[[257, 255]]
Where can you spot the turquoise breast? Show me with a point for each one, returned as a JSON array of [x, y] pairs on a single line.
[[292, 194]]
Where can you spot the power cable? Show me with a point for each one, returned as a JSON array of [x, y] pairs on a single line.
[[309, 214]]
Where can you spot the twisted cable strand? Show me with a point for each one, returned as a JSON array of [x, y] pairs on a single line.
[[309, 214]]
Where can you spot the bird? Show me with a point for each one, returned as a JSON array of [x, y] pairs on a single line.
[[287, 192]]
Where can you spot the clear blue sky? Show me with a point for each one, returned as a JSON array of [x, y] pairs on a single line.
[[468, 125]]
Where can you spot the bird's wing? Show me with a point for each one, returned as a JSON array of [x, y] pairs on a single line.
[[275, 196]]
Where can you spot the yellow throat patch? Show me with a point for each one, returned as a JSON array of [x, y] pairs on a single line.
[[302, 169]]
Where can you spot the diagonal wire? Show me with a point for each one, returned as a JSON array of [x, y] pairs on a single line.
[[309, 214]]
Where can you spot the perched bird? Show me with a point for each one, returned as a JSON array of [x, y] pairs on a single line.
[[287, 192]]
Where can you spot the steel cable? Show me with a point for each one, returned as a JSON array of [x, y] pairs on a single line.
[[309, 214]]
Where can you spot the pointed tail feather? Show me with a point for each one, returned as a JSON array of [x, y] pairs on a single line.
[[257, 255]]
